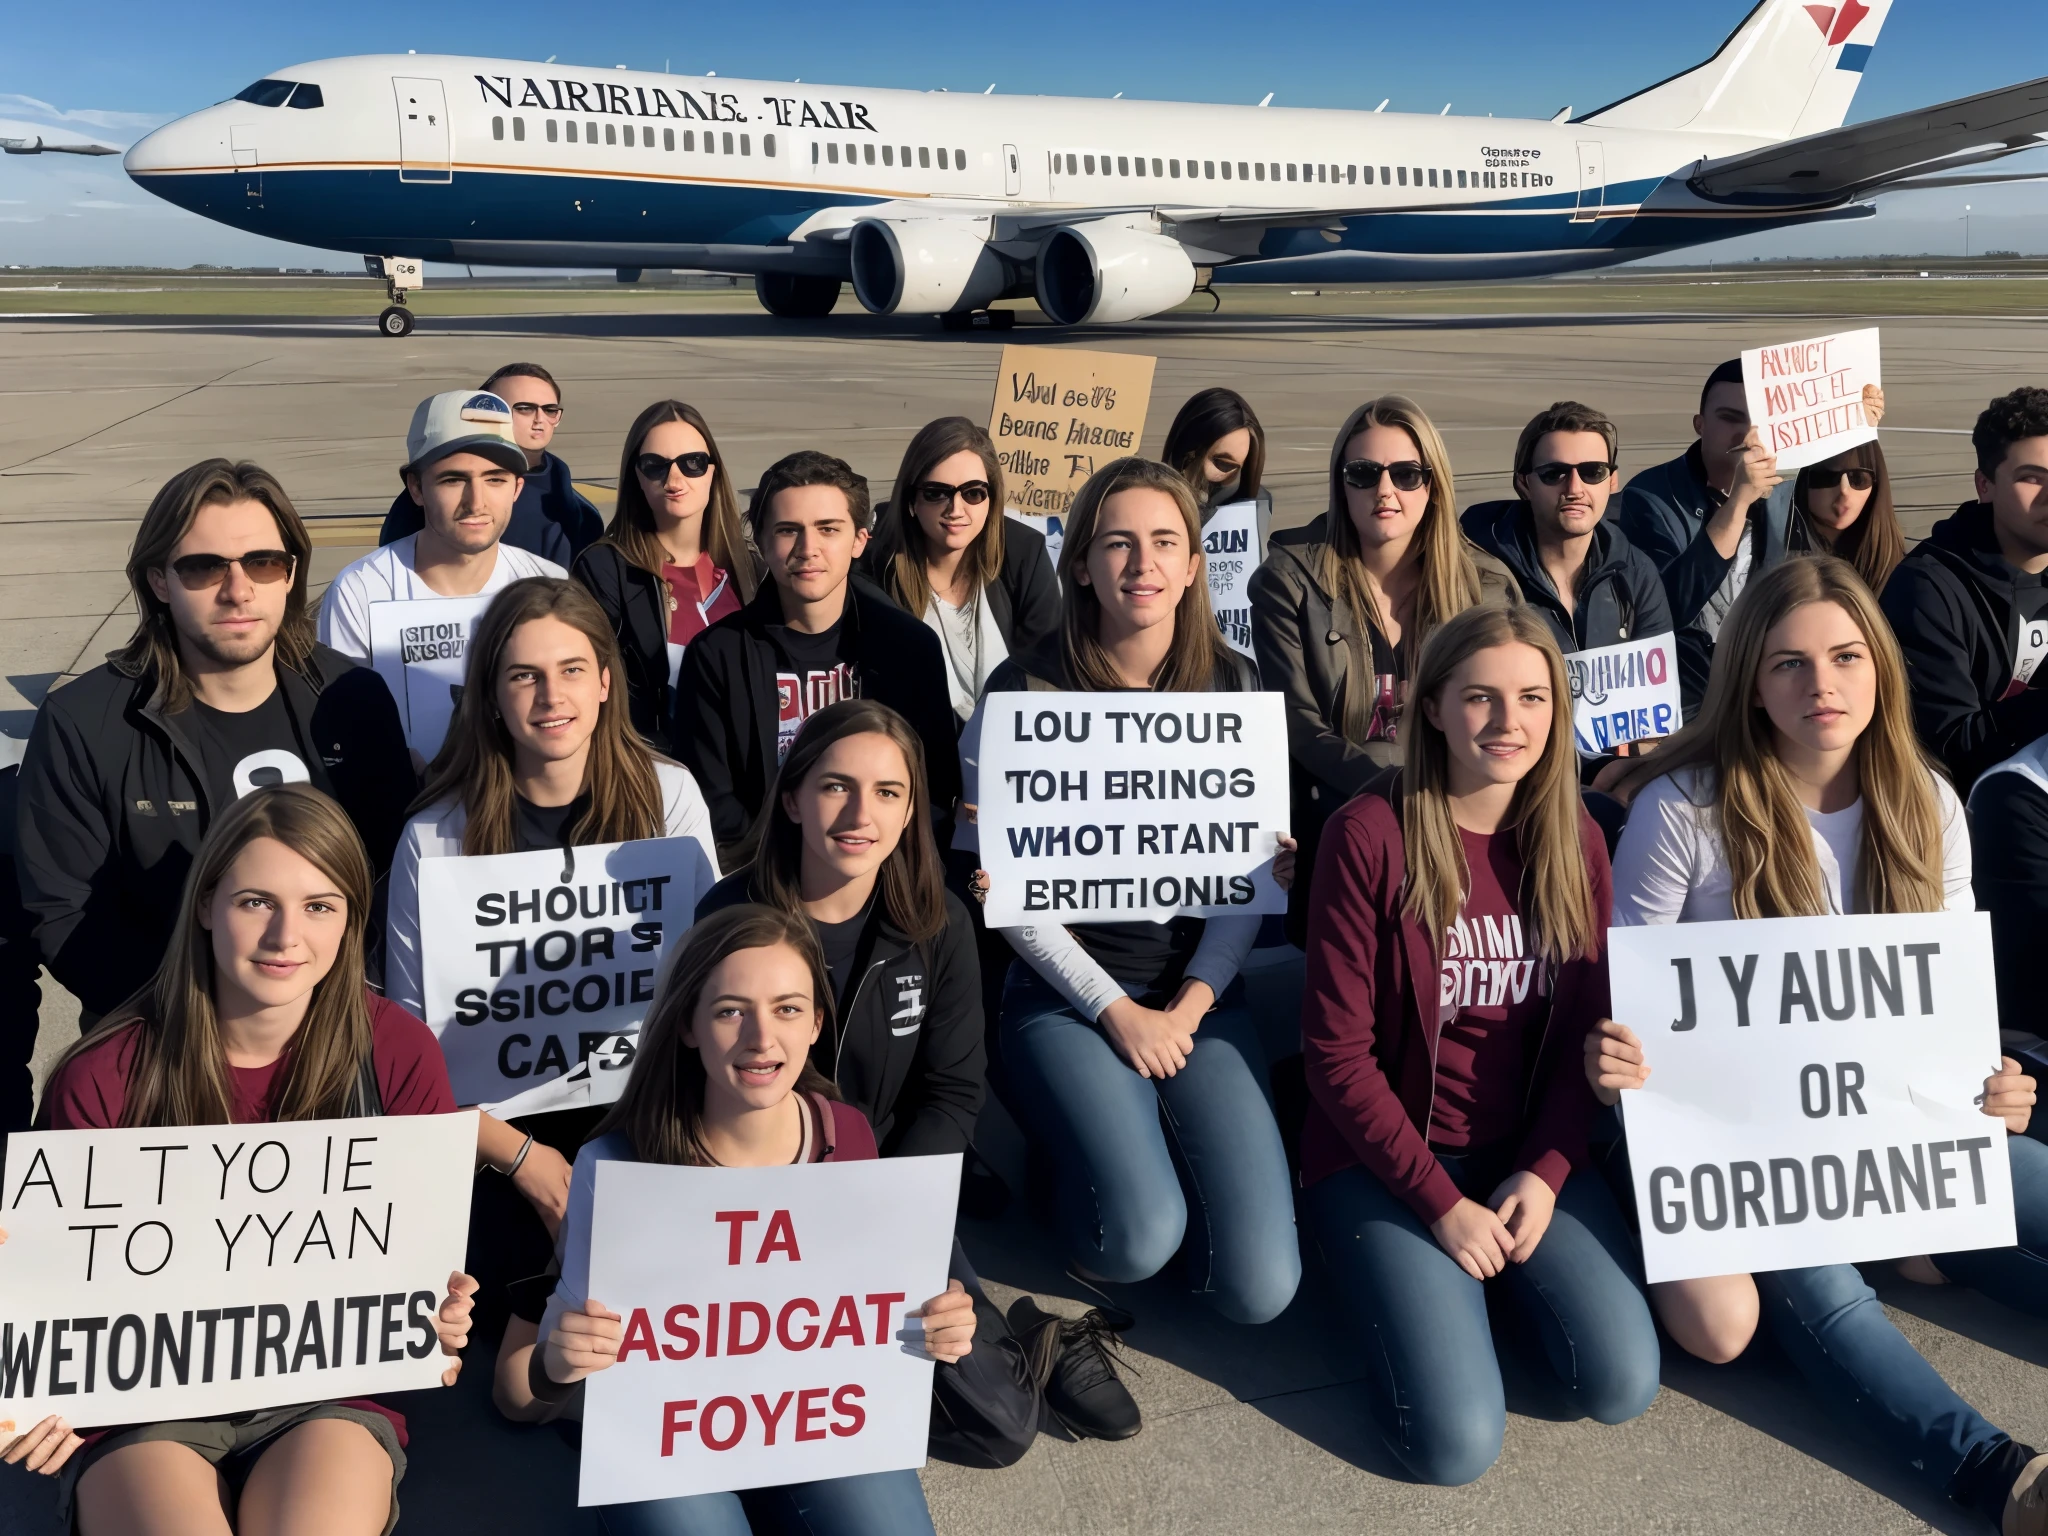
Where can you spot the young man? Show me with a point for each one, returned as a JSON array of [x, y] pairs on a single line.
[[550, 519], [1578, 571], [222, 689], [463, 466], [1710, 519], [1966, 602], [814, 634]]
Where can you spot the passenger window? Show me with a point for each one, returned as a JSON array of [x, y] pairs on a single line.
[[1123, 165], [1350, 174], [906, 158], [1461, 178], [746, 143], [1244, 172], [551, 130], [1386, 177], [590, 133], [867, 153], [307, 97], [1073, 165], [668, 139], [1432, 176], [1138, 163], [497, 127], [924, 159], [832, 153], [1368, 174], [1209, 169], [610, 136], [519, 129], [768, 145], [1290, 170], [888, 154], [1088, 164], [1418, 175], [814, 148], [1156, 171], [1173, 169], [571, 126], [1226, 170], [727, 146], [1261, 168], [1404, 175], [959, 159], [1321, 173]]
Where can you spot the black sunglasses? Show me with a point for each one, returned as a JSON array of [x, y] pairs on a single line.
[[196, 573], [936, 493], [1407, 475], [654, 467], [1828, 479], [528, 407], [1592, 472]]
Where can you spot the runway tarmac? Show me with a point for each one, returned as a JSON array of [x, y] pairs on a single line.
[[1246, 1430]]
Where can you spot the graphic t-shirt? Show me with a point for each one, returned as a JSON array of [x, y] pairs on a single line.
[[1493, 999], [699, 596], [249, 749], [808, 676], [2030, 646]]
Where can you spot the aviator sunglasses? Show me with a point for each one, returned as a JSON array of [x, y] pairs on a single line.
[[1828, 479], [1407, 475], [654, 467], [1592, 472], [936, 493], [196, 573]]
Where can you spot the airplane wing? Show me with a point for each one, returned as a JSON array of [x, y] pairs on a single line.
[[37, 146]]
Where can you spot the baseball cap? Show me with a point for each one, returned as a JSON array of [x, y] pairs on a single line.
[[463, 421]]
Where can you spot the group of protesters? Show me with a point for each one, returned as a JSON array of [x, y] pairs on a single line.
[[219, 838]]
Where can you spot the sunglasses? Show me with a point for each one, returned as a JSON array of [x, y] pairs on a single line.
[[1592, 473], [532, 407], [1364, 474], [1828, 479], [653, 467], [196, 573], [936, 493]]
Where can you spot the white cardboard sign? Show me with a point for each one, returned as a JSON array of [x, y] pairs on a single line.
[[533, 962], [765, 1339], [1812, 1090], [1131, 807], [1230, 553], [1806, 397], [420, 647], [1625, 692], [192, 1271]]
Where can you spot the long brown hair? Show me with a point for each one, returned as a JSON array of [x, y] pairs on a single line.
[[1209, 416], [1198, 651], [631, 530], [900, 549], [1545, 813], [1873, 544], [1765, 835], [912, 882], [661, 1111], [179, 1074], [153, 649], [474, 765]]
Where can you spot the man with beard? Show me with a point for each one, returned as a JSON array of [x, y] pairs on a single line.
[[221, 690]]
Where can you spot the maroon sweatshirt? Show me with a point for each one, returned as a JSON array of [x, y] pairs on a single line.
[[1370, 1023]]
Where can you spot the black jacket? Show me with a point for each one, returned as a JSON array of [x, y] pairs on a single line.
[[550, 519], [115, 801], [632, 599], [1957, 608], [726, 705], [1025, 599], [907, 1051], [1620, 596]]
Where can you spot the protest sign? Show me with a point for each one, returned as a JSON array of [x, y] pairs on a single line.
[[180, 1272], [1230, 553], [1622, 693], [420, 646], [1059, 415], [1811, 1093], [532, 962], [1806, 397], [765, 1339], [1131, 807]]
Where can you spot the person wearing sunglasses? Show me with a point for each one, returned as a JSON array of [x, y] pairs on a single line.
[[551, 518], [221, 689], [1340, 609], [674, 559], [1843, 506], [1219, 446]]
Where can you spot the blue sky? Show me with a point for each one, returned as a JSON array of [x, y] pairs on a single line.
[[115, 67]]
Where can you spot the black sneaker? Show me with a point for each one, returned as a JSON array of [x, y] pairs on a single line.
[[984, 1194], [1075, 1363]]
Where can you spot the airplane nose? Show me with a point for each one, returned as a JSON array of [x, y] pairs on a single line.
[[196, 140]]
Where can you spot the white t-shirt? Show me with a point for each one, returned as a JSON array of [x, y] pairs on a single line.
[[387, 575], [1670, 866]]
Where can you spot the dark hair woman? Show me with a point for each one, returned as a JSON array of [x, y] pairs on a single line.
[[258, 1012], [1219, 447], [1843, 507], [981, 581], [674, 558]]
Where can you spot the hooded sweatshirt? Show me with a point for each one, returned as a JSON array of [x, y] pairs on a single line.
[[1620, 596], [1964, 619]]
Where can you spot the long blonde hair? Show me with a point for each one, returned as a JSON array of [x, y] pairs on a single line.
[[1557, 891], [1765, 835]]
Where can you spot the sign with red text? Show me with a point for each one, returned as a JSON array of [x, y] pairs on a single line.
[[765, 1332], [186, 1272], [1623, 693], [1806, 397], [1813, 1090]]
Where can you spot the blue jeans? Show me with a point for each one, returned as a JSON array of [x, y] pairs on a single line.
[[873, 1504], [1431, 1370], [1135, 1155], [2016, 1276]]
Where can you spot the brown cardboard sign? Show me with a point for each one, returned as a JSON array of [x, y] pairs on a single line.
[[1059, 415]]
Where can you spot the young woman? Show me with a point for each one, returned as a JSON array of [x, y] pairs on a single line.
[[1219, 448], [1454, 965], [257, 1013], [724, 1080], [1800, 790], [1105, 1024], [674, 558], [1843, 507], [944, 550], [1341, 608]]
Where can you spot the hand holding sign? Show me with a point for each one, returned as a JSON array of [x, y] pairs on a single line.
[[1808, 399]]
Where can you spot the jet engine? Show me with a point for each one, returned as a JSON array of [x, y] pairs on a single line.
[[1101, 272], [925, 266]]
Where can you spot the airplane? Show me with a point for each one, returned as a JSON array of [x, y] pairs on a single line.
[[935, 203]]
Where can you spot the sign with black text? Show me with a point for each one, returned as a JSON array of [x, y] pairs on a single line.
[[420, 647], [1230, 553], [1060, 414], [1812, 1092], [1625, 692], [187, 1272]]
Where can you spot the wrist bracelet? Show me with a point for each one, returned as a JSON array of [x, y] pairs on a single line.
[[524, 1148]]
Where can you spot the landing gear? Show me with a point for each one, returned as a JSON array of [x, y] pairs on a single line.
[[967, 320], [395, 321], [793, 296], [401, 274]]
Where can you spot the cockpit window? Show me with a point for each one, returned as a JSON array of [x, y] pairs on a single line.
[[308, 96], [266, 93]]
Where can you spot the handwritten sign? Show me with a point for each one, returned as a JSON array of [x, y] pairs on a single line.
[[1131, 807], [765, 1339], [1059, 415], [1623, 693], [1806, 397], [1230, 553], [186, 1272], [1810, 1099], [420, 647]]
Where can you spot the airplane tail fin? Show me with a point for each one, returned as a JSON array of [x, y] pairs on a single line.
[[1790, 69]]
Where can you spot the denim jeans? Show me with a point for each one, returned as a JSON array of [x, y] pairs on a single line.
[[1431, 1370], [873, 1504], [2016, 1276], [1137, 1156]]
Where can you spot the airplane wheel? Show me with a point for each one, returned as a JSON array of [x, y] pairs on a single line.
[[395, 321], [789, 296]]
